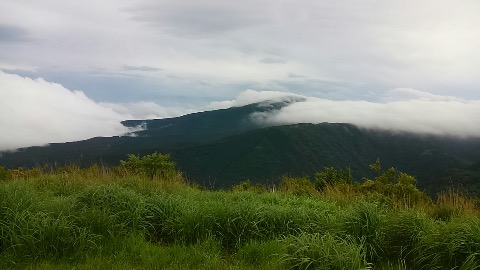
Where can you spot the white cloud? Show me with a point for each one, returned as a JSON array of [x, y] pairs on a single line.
[[404, 110], [37, 112], [399, 94], [146, 110], [251, 96], [217, 105]]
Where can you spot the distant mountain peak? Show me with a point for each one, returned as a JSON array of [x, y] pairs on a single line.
[[281, 102], [267, 108], [250, 97]]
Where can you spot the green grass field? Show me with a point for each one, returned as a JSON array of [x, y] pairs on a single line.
[[95, 219]]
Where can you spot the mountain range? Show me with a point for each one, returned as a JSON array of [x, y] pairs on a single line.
[[220, 148]]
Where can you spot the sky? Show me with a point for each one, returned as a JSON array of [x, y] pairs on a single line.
[[71, 70]]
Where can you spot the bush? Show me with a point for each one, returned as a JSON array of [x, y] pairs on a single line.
[[398, 186], [150, 165]]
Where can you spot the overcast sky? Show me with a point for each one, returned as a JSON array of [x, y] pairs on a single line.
[[160, 58]]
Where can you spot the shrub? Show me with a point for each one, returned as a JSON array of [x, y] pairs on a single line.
[[398, 186], [150, 165]]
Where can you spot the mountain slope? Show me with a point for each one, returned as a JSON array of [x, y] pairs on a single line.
[[210, 125], [161, 135], [264, 155], [220, 148]]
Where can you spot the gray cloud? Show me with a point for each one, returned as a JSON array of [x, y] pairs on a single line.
[[196, 19], [11, 33], [271, 60], [141, 68], [214, 49], [293, 75]]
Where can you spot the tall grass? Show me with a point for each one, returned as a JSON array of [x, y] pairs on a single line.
[[317, 251], [400, 234], [234, 218], [455, 244], [35, 226], [72, 220], [124, 207], [363, 222], [452, 203]]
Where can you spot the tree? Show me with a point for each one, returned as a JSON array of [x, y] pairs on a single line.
[[394, 184], [152, 165], [376, 167]]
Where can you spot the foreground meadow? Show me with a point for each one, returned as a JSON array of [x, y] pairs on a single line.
[[96, 219]]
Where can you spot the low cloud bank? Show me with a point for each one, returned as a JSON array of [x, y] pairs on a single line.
[[251, 96], [400, 110], [37, 112], [145, 110]]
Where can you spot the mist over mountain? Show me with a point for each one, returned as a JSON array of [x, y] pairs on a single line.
[[398, 110], [36, 112], [220, 148]]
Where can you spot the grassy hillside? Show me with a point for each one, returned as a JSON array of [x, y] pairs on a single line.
[[100, 218]]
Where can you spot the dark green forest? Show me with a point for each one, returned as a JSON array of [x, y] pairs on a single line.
[[219, 149]]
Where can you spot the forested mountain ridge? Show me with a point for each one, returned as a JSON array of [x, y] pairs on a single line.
[[220, 148], [264, 155]]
